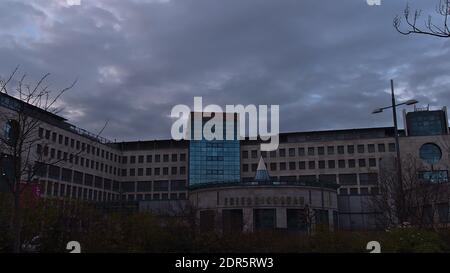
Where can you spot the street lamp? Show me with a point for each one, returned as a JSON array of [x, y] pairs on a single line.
[[394, 106]]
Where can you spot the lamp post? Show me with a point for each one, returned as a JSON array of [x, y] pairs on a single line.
[[394, 106]]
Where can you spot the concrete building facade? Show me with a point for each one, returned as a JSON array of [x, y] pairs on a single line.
[[87, 167]]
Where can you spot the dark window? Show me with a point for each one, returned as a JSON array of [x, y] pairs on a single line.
[[88, 179], [144, 186], [361, 148], [282, 152], [361, 162], [244, 154], [245, 168], [273, 166], [371, 148], [341, 163], [372, 162], [141, 159], [66, 175], [321, 164], [128, 187], [178, 185], [98, 182], [368, 178], [291, 152], [182, 157], [302, 165], [391, 147], [311, 151], [348, 179], [311, 165], [161, 185], [292, 166], [340, 149], [320, 150], [328, 178], [54, 172], [165, 158], [330, 150], [296, 219], [301, 151], [149, 158], [430, 153], [381, 148], [254, 153], [264, 219], [307, 179], [282, 166], [350, 149], [351, 163], [174, 157], [331, 164]]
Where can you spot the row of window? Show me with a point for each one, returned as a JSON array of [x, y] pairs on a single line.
[[76, 177], [312, 165], [152, 186], [55, 189], [157, 158], [330, 150], [60, 156], [91, 149], [154, 171], [362, 191], [345, 179], [155, 196], [78, 145]]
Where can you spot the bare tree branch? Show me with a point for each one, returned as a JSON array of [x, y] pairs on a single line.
[[430, 28]]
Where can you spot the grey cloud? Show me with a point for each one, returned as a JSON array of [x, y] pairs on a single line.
[[327, 63]]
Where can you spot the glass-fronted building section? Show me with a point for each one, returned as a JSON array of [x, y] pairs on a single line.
[[214, 161], [427, 123]]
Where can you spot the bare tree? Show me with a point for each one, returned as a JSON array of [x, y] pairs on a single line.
[[24, 109], [420, 200], [429, 26]]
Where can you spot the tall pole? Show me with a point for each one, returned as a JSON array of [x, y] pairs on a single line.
[[399, 163]]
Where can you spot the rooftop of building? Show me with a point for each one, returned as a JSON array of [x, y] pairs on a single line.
[[11, 102], [288, 137]]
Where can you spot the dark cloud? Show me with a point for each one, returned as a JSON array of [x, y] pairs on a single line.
[[326, 63]]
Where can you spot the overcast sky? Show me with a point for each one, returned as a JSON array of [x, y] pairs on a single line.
[[326, 63]]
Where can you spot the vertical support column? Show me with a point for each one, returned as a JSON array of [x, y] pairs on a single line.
[[247, 215], [281, 218], [331, 220]]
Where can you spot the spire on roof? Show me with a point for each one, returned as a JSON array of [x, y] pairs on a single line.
[[261, 172]]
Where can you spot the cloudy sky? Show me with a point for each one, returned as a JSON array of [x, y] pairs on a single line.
[[326, 63]]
